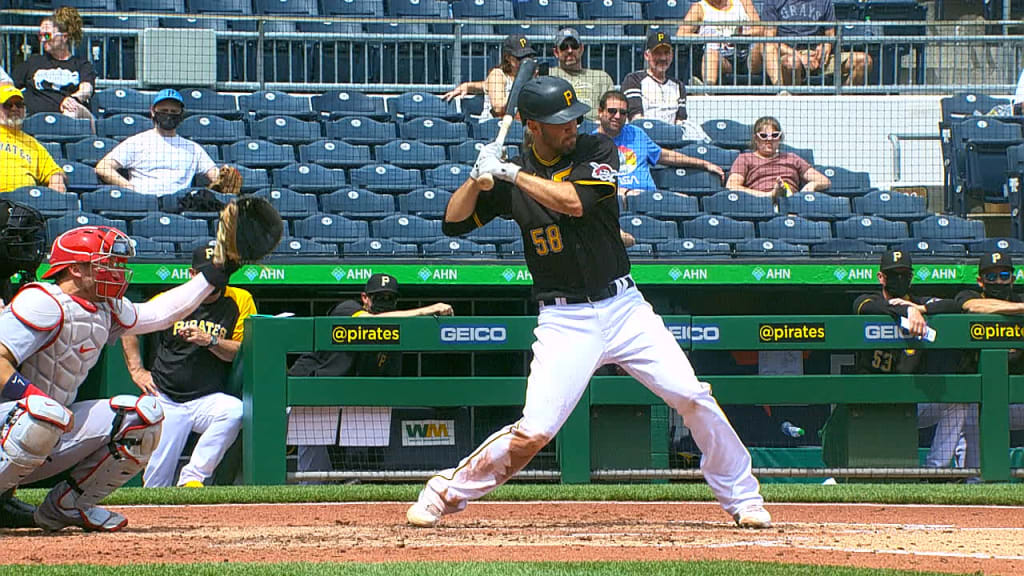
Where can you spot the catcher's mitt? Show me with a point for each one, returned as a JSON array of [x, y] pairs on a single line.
[[229, 180], [249, 229]]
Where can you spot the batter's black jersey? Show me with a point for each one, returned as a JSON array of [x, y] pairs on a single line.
[[969, 358], [895, 361], [567, 256], [348, 363]]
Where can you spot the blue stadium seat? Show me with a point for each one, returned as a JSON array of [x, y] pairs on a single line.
[[206, 101], [259, 154], [459, 247], [80, 177], [81, 5], [610, 10], [693, 248], [270, 103], [329, 228], [765, 247], [54, 149], [664, 205], [546, 10], [253, 178], [726, 133], [511, 250], [1011, 245], [169, 228], [410, 154], [114, 202], [48, 202], [341, 103], [872, 229], [950, 229], [286, 7], [303, 247], [921, 247], [796, 230], [488, 130], [806, 153], [148, 248], [289, 203], [483, 9], [434, 131], [243, 7], [843, 179], [90, 150], [209, 129], [985, 156], [396, 28], [328, 27], [588, 30], [380, 247], [407, 229], [447, 176], [415, 9], [739, 205], [121, 101], [185, 248], [664, 134], [720, 228], [816, 206], [497, 231], [424, 202], [688, 181], [353, 8], [647, 229], [665, 9], [845, 247], [213, 151], [285, 129], [335, 154], [57, 226], [56, 127], [195, 23], [358, 204], [386, 178], [422, 105], [538, 31], [964, 104], [362, 130], [466, 152], [177, 6], [722, 157], [121, 126], [891, 205], [309, 178]]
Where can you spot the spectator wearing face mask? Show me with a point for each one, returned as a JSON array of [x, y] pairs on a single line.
[[158, 161]]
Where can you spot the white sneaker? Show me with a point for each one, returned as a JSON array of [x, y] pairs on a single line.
[[753, 517], [423, 515], [51, 515]]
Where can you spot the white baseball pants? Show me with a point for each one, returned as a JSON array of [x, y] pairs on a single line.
[[572, 342], [216, 417], [949, 420]]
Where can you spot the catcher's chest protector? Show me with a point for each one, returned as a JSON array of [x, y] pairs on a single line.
[[60, 367]]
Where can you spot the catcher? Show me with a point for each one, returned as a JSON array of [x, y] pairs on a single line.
[[158, 161]]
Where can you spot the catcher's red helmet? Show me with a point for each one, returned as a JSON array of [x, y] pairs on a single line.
[[106, 249]]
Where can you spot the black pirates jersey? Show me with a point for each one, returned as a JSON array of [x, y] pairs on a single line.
[[569, 257], [895, 361]]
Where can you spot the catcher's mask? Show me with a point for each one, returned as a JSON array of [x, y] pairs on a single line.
[[105, 249], [22, 239]]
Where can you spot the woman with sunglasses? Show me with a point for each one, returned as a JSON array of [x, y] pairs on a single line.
[[768, 172], [57, 80], [498, 83]]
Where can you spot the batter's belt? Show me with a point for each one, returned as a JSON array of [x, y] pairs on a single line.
[[614, 288]]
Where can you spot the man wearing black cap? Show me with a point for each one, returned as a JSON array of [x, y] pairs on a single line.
[[189, 376], [496, 86], [652, 93], [378, 299], [588, 83]]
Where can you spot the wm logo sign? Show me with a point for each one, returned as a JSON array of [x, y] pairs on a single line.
[[428, 432]]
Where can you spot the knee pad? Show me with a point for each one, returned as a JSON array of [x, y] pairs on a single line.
[[135, 431], [30, 432]]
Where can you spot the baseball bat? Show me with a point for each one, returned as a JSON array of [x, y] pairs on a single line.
[[527, 68]]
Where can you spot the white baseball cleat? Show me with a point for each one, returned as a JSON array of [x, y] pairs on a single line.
[[423, 515], [52, 516], [753, 517]]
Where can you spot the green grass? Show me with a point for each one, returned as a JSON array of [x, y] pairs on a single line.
[[953, 494], [468, 569]]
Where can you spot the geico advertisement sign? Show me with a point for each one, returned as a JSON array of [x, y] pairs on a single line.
[[473, 334], [695, 332], [885, 333]]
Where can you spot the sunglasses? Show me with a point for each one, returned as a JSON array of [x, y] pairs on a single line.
[[569, 46], [616, 111], [769, 135], [1001, 276], [47, 36], [13, 105]]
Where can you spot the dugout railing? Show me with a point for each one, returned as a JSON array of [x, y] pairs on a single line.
[[268, 390]]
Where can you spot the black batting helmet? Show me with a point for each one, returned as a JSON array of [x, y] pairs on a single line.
[[550, 100]]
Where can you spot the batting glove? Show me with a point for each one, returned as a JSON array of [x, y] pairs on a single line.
[[491, 150], [506, 171]]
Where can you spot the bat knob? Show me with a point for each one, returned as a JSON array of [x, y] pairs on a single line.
[[485, 181]]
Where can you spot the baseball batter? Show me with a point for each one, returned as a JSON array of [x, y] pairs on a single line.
[[50, 336], [562, 193]]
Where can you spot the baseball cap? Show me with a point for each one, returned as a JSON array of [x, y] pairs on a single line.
[[381, 283], [201, 255], [168, 94], [658, 38], [565, 34], [895, 260], [518, 46], [994, 260], [9, 91]]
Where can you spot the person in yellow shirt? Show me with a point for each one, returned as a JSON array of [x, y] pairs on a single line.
[[23, 160]]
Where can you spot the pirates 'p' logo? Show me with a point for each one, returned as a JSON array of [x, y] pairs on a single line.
[[568, 97]]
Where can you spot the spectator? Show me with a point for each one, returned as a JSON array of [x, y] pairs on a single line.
[[379, 299], [767, 172], [57, 80], [25, 161], [158, 161], [895, 274], [637, 152], [5, 78], [651, 93], [191, 368], [789, 64], [589, 84], [708, 19], [499, 80]]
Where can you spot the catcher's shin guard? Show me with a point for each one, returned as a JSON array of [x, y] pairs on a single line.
[[30, 432]]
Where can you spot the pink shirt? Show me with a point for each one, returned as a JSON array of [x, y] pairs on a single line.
[[760, 173]]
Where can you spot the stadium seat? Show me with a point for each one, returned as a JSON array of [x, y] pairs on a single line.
[[328, 27], [362, 130], [845, 247], [664, 205], [149, 248], [986, 159], [289, 203], [483, 9], [497, 231], [192, 23], [447, 176], [329, 228], [396, 28], [872, 229], [964, 104], [209, 129], [121, 101], [891, 205], [796, 230], [1012, 245], [816, 206], [466, 152], [612, 10], [410, 154], [303, 247], [335, 154], [407, 229], [48, 202], [664, 134], [415, 9], [386, 178], [688, 181], [259, 154], [284, 129], [177, 6], [459, 247], [546, 10], [57, 226], [424, 202], [380, 247], [56, 127], [80, 177], [81, 5], [309, 178], [720, 228], [341, 103], [186, 248], [511, 250], [90, 150], [805, 153], [488, 131], [726, 133], [665, 9], [422, 105], [117, 203], [843, 179], [243, 7], [270, 103], [169, 228], [286, 7], [950, 229], [920, 247], [353, 8], [541, 31], [739, 205], [358, 204], [206, 101], [55, 150], [693, 248], [434, 131], [121, 126], [253, 178], [765, 247], [722, 157], [647, 229]]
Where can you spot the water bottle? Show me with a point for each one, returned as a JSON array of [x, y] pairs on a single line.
[[792, 430]]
